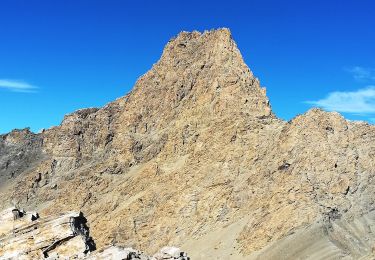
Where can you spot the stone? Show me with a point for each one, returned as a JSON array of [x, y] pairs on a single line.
[[117, 252], [170, 253], [31, 237], [232, 179]]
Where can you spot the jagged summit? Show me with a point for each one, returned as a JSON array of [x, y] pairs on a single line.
[[214, 44], [203, 70], [182, 46], [194, 157]]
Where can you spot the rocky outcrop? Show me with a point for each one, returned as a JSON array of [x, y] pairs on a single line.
[[19, 151], [26, 236], [115, 252], [193, 156]]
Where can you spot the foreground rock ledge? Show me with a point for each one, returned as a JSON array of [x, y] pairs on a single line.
[[24, 235]]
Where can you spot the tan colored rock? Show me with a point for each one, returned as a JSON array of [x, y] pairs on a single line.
[[26, 236], [116, 252], [195, 150]]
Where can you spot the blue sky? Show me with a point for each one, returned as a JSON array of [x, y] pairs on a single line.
[[59, 56]]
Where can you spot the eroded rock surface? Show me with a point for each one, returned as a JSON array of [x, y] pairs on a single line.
[[19, 150], [26, 236], [193, 156], [115, 252]]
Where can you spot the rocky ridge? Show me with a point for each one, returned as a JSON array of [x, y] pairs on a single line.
[[19, 150], [193, 156]]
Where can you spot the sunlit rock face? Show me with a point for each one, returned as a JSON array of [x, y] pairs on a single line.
[[194, 157], [27, 236]]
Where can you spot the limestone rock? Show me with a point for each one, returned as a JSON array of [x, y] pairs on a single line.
[[116, 252], [26, 236], [170, 253]]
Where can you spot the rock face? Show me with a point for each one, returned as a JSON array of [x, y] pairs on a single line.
[[115, 252], [18, 151], [193, 156], [26, 236]]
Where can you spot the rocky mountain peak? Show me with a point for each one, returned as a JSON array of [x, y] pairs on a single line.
[[193, 156], [210, 44], [204, 73]]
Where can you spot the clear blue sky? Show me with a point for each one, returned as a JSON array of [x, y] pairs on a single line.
[[59, 56]]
